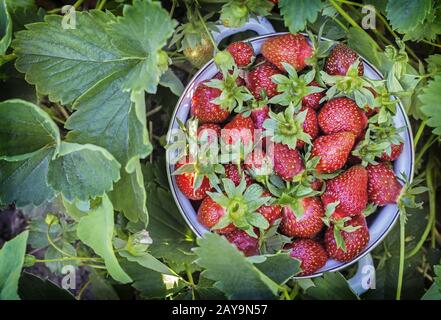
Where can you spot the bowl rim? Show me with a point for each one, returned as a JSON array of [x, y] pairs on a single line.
[[400, 108]]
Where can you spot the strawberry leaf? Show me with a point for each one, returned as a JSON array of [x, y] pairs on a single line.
[[297, 14], [71, 171], [280, 267], [430, 103], [11, 262], [332, 286], [5, 28], [405, 15], [96, 230], [243, 281], [34, 131]]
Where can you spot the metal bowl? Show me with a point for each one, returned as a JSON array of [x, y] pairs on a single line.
[[380, 223]]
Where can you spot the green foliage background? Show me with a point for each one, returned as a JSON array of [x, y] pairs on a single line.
[[83, 115]]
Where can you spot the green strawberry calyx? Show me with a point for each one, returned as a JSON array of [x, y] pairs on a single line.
[[287, 127], [241, 204], [352, 86], [293, 87], [232, 95]]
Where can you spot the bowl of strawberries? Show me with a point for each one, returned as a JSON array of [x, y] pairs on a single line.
[[290, 142]]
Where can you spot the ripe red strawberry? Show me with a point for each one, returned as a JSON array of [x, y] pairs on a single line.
[[354, 242], [313, 100], [259, 81], [259, 165], [203, 109], [271, 212], [287, 162], [311, 254], [333, 151], [259, 116], [293, 49], [340, 59], [310, 126], [244, 242], [209, 214], [242, 52], [212, 130], [239, 128], [396, 151], [185, 182], [350, 189], [232, 173], [383, 185], [342, 114], [310, 222]]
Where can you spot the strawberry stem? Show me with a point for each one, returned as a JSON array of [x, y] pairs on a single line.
[[402, 248]]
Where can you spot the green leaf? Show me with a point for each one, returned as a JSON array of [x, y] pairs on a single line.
[[297, 14], [279, 267], [25, 182], [332, 286], [83, 171], [32, 287], [171, 81], [101, 287], [5, 28], [430, 99], [108, 118], [142, 32], [434, 63], [233, 274], [96, 231], [129, 195], [147, 261], [404, 15], [24, 129], [65, 63], [11, 261]]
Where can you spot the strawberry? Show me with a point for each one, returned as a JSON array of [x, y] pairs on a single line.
[[345, 240], [287, 162], [242, 52], [244, 242], [340, 59], [396, 150], [310, 126], [232, 173], [259, 81], [201, 53], [333, 151], [270, 212], [209, 214], [289, 48], [259, 115], [342, 114], [203, 109], [259, 165], [212, 130], [317, 184], [304, 224], [237, 207], [239, 127], [312, 100], [350, 189], [185, 182], [311, 254], [383, 185]]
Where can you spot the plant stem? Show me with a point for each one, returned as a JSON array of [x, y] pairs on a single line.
[[432, 212], [101, 5], [83, 289], [432, 43], [190, 280], [7, 58], [423, 150], [402, 248], [67, 259], [419, 133], [78, 3], [210, 36]]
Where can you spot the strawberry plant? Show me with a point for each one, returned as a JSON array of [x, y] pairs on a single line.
[[87, 93]]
